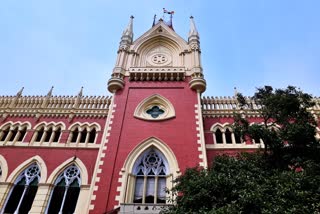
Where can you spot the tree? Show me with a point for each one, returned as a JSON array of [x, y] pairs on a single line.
[[284, 178], [245, 184], [288, 129]]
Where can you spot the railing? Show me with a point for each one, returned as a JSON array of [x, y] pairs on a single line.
[[30, 105], [227, 105]]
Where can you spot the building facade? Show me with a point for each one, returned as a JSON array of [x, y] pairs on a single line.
[[118, 154]]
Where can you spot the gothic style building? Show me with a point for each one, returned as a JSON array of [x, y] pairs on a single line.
[[118, 154]]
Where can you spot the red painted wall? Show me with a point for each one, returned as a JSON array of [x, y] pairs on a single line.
[[52, 156], [127, 132]]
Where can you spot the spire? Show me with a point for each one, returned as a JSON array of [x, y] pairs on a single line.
[[235, 91], [128, 32], [20, 92], [80, 92], [193, 30], [50, 92], [154, 20]]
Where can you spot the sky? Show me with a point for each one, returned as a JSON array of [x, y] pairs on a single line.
[[245, 44]]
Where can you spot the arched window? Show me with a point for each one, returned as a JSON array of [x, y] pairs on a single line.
[[92, 135], [48, 134], [57, 135], [151, 172], [83, 134], [24, 190], [39, 134], [4, 133], [74, 135], [228, 136], [65, 192], [13, 134], [218, 134]]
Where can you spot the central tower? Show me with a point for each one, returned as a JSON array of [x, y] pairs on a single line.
[[154, 131]]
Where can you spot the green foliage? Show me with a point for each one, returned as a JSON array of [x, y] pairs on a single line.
[[247, 184], [284, 178], [288, 129]]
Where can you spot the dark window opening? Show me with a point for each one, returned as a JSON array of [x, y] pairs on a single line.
[[40, 133], [48, 136], [5, 134], [83, 136], [228, 136], [92, 135], [219, 136], [57, 135], [14, 133], [22, 134], [75, 134]]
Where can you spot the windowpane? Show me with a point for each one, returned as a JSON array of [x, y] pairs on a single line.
[[138, 192], [161, 190]]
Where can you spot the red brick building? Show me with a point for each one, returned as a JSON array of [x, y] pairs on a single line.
[[77, 154]]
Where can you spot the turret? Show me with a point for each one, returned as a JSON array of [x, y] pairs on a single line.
[[197, 82], [127, 35], [116, 81]]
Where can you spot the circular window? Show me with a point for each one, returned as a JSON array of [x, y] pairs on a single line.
[[159, 59]]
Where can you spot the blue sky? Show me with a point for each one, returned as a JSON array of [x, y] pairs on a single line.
[[73, 43]]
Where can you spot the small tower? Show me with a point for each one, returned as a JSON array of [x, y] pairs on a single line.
[[116, 81], [197, 82]]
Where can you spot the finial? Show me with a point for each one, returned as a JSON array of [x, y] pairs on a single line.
[[154, 20], [50, 92], [80, 92], [235, 91], [20, 92], [193, 30], [129, 30], [131, 17]]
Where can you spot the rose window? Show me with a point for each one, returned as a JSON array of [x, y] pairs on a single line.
[[159, 59]]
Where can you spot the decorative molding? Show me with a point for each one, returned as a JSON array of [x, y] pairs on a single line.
[[101, 156], [227, 106], [128, 165], [57, 106], [157, 74]]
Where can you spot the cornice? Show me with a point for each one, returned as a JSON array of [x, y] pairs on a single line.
[[54, 106], [227, 106]]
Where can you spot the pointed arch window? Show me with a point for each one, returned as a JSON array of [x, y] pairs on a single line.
[[65, 192], [151, 172], [228, 136], [24, 190], [4, 133], [218, 135], [13, 133], [83, 135]]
